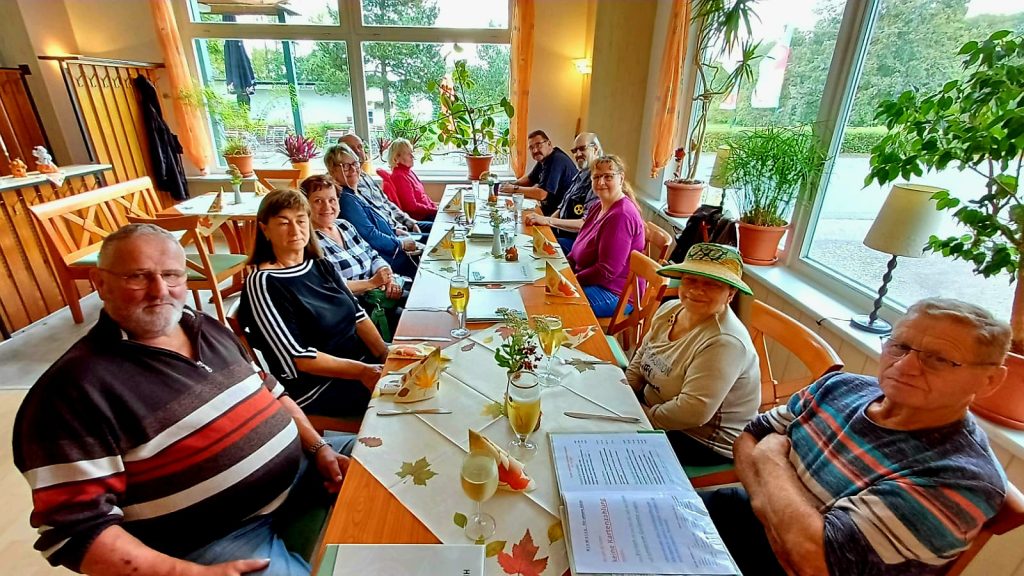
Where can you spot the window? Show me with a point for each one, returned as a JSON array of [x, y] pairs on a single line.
[[272, 69], [914, 43]]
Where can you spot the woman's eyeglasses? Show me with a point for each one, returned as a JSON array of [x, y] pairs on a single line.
[[350, 166]]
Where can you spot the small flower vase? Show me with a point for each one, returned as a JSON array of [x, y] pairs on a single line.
[[497, 250], [237, 188]]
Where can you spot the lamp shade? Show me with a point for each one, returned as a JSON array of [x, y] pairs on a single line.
[[717, 179], [906, 221]]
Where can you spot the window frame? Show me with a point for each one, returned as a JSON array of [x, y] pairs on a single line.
[[351, 31]]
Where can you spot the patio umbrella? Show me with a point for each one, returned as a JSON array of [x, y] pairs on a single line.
[[238, 72]]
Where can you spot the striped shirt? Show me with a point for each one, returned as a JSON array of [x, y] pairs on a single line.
[[369, 191], [178, 452], [354, 258], [895, 502], [298, 312]]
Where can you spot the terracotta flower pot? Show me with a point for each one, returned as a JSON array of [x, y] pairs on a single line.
[[304, 170], [759, 245], [243, 163], [683, 199], [477, 165], [1005, 406]]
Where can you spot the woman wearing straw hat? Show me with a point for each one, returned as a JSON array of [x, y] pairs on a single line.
[[696, 373]]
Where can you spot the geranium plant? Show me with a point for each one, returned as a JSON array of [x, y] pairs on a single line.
[[299, 148], [518, 349]]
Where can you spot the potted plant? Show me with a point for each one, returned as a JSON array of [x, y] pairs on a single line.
[[238, 154], [719, 24], [299, 150], [469, 127], [770, 168], [974, 123]]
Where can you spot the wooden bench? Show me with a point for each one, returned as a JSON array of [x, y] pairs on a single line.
[[73, 228]]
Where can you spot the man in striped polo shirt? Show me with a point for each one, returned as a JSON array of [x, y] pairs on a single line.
[[857, 475], [154, 445]]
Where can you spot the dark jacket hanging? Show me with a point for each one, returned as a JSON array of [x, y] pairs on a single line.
[[164, 148]]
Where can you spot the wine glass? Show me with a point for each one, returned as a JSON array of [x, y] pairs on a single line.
[[458, 293], [522, 405], [459, 248], [550, 335], [479, 481], [469, 207]]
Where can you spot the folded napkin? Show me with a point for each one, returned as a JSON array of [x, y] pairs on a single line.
[[542, 247], [443, 248], [422, 381], [576, 336], [557, 285], [455, 204], [511, 472], [410, 351], [218, 203]]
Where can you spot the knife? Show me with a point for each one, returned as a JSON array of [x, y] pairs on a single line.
[[424, 338], [413, 411], [588, 416]]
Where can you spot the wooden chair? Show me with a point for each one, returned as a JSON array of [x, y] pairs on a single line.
[[1009, 517], [73, 229], [634, 326], [657, 242], [289, 175], [205, 270]]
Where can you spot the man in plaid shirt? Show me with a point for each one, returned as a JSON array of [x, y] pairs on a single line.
[[369, 190]]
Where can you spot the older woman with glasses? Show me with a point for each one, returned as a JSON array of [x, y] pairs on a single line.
[[343, 166], [611, 230], [313, 334], [412, 196]]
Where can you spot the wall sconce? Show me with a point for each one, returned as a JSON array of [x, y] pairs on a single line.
[[902, 228], [583, 65]]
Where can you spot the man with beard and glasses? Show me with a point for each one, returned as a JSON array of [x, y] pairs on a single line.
[[550, 177], [154, 445], [567, 221]]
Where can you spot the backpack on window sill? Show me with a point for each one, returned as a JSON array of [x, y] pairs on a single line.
[[707, 224]]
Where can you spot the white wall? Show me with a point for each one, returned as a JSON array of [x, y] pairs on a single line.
[[116, 29]]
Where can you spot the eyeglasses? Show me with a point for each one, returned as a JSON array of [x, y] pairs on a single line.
[[142, 279], [350, 166], [580, 148], [929, 360], [604, 177], [538, 144]]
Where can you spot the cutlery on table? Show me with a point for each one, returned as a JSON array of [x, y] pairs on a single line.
[[426, 309], [423, 338], [589, 416], [413, 411]]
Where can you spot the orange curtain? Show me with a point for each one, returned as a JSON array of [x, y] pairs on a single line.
[[519, 83], [190, 121], [666, 101]]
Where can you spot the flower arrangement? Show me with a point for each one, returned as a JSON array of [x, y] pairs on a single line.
[[518, 350], [235, 174], [299, 148], [679, 156]]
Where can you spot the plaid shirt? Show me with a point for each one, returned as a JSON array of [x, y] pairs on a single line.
[[369, 191], [355, 259]]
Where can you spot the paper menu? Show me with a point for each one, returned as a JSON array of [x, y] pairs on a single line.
[[629, 508], [406, 559]]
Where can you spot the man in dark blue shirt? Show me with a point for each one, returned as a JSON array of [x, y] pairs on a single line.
[[550, 177], [568, 219]]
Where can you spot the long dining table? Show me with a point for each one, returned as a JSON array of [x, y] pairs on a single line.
[[366, 512]]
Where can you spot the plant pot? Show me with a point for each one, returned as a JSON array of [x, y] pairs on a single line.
[[1005, 405], [759, 245], [683, 198], [304, 170], [477, 165], [243, 163]]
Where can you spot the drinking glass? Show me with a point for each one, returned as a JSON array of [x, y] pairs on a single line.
[[479, 481], [522, 405], [550, 335], [517, 204], [469, 207], [458, 248], [458, 293]]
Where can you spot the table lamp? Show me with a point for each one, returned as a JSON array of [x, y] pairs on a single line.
[[902, 228]]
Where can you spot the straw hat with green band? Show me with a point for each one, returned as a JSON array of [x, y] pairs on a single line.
[[715, 261]]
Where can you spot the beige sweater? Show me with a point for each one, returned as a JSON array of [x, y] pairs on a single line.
[[706, 384]]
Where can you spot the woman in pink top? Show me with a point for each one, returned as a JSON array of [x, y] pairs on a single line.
[[600, 256], [408, 188]]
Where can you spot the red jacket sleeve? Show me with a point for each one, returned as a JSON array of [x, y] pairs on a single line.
[[412, 197]]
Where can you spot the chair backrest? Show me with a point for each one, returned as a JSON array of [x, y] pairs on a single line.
[[645, 302], [75, 226], [289, 175], [1009, 517], [656, 242], [812, 350]]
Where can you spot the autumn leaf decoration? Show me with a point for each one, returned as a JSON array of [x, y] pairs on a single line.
[[419, 471], [371, 441], [581, 366], [523, 561]]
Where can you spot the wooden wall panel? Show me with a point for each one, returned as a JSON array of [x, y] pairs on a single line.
[[20, 130]]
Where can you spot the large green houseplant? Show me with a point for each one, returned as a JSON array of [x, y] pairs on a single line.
[[478, 130], [241, 128], [770, 169], [723, 27], [974, 123]]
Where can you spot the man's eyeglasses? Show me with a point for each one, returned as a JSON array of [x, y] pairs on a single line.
[[142, 279], [929, 360], [350, 166], [538, 144], [580, 148]]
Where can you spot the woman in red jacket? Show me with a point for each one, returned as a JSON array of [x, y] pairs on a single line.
[[411, 196]]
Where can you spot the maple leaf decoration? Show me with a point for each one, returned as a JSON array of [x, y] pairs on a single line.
[[505, 332], [522, 561], [419, 471], [581, 366], [468, 347], [371, 441], [494, 410]]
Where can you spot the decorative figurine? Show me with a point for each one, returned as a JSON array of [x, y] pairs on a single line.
[[18, 168], [512, 254], [44, 162]]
